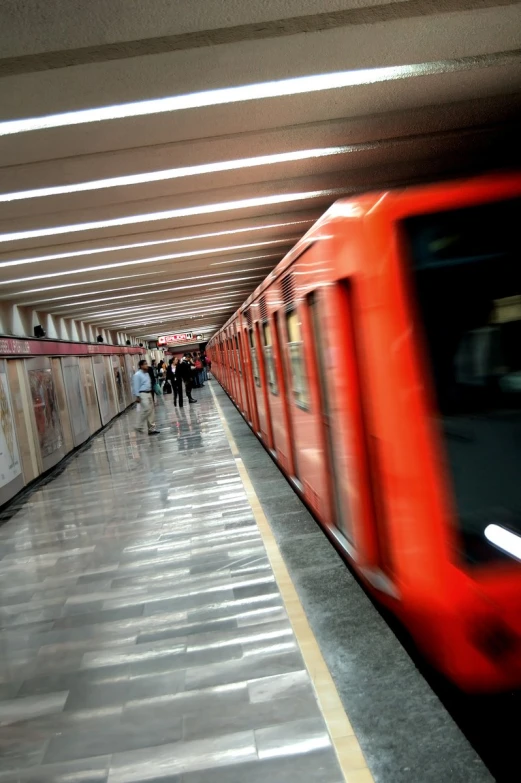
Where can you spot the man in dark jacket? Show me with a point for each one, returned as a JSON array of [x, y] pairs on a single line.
[[152, 371], [184, 373]]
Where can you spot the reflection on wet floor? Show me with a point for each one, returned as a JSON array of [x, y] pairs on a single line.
[[143, 636]]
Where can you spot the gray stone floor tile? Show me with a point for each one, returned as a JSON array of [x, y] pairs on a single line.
[[118, 739], [139, 766], [142, 632], [315, 767], [90, 770]]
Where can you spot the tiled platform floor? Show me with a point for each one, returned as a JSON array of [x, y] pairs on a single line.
[[143, 636]]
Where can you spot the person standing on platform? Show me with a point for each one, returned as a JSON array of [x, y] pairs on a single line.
[[173, 375], [142, 388], [199, 367], [185, 370], [152, 371]]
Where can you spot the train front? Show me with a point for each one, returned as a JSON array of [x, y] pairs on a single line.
[[464, 268]]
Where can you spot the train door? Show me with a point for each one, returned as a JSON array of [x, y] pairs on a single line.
[[251, 357], [341, 511], [283, 385], [268, 378], [240, 400]]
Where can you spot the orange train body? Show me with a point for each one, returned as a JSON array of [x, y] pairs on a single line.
[[328, 361]]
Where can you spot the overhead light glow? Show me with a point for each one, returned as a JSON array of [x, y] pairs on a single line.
[[248, 92], [155, 259], [178, 173], [149, 285], [203, 209], [504, 539], [93, 250], [153, 293]]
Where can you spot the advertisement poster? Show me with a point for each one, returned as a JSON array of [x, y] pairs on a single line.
[[102, 387], [78, 414], [118, 377], [45, 411], [10, 466]]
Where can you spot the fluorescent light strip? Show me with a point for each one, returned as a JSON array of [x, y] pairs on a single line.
[[204, 209], [228, 287], [177, 316], [125, 312], [178, 173], [159, 319], [148, 285], [153, 260], [128, 312], [248, 92], [81, 282], [504, 539], [178, 256], [116, 248], [152, 293]]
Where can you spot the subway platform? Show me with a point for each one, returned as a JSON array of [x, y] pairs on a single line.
[[171, 613]]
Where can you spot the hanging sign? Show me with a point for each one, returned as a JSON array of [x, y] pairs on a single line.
[[183, 337]]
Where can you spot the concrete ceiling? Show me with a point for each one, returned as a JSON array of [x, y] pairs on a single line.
[[457, 110]]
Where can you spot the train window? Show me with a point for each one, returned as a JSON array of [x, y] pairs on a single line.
[[296, 360], [239, 363], [268, 357], [254, 360], [468, 283]]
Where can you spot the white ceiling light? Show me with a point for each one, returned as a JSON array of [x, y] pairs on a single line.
[[153, 260], [248, 92], [93, 250], [504, 539], [130, 309], [149, 285], [77, 283], [204, 209], [154, 293], [165, 299], [179, 172]]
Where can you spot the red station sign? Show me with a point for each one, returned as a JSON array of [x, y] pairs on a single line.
[[183, 337]]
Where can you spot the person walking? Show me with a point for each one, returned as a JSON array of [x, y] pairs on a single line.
[[142, 388]]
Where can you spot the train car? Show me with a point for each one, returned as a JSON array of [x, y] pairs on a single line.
[[380, 364]]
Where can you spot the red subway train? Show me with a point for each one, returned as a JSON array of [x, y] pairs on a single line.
[[380, 364]]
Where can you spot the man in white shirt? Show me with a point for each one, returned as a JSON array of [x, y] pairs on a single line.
[[142, 388]]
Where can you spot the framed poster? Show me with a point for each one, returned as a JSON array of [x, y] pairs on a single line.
[[102, 389], [46, 416], [75, 399], [91, 396], [63, 406], [11, 477], [118, 380], [22, 409], [111, 386], [127, 392]]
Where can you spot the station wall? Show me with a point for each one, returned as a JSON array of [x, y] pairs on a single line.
[[54, 395]]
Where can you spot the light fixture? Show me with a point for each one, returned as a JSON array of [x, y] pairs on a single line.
[[147, 285], [116, 248], [151, 293], [504, 539], [141, 262], [203, 209], [182, 171], [249, 92]]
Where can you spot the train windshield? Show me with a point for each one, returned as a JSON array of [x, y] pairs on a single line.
[[467, 265]]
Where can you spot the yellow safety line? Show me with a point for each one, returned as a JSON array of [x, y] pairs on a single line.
[[345, 743]]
